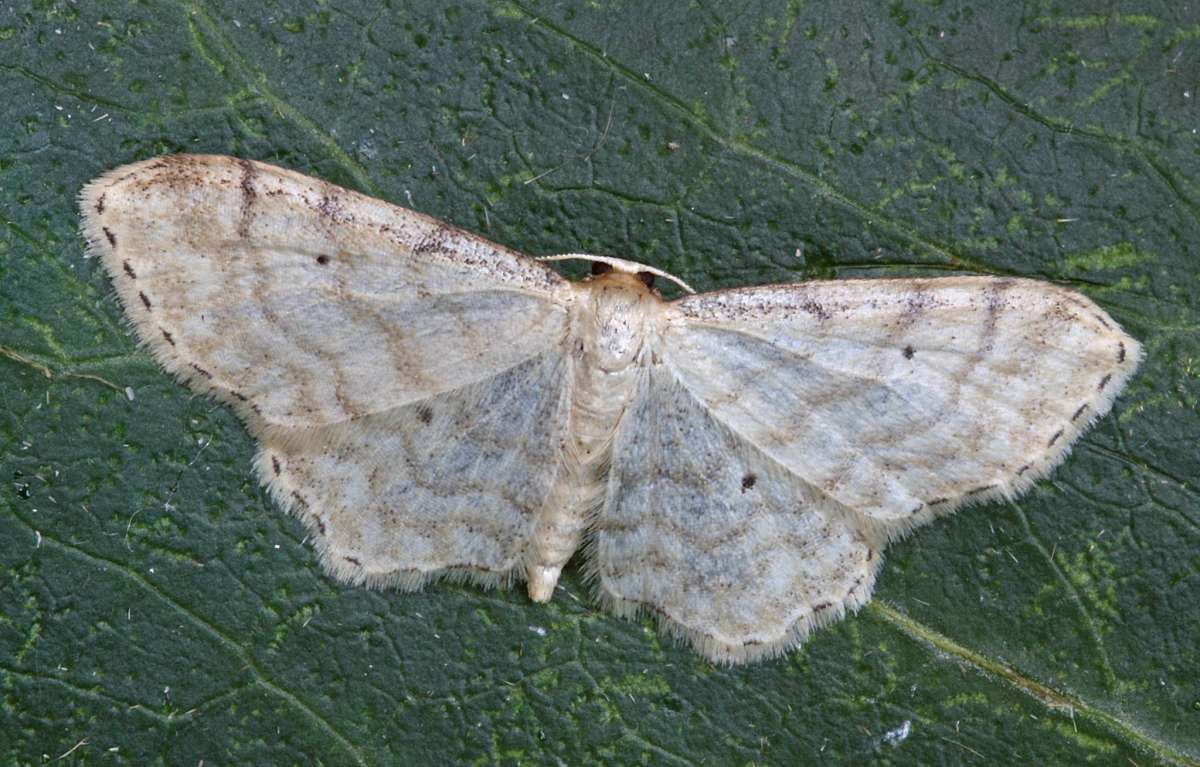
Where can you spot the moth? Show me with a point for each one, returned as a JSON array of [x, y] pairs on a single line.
[[733, 463]]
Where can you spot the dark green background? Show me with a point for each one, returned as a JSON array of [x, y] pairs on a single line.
[[156, 608]]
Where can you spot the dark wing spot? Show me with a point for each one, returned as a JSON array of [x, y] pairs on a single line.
[[129, 270], [908, 352], [1104, 382], [201, 370], [428, 244], [1079, 412], [145, 300], [936, 501], [854, 586], [995, 305], [248, 196], [647, 278], [108, 235], [1023, 469], [819, 606], [275, 465], [353, 561], [170, 338], [321, 526], [815, 309], [330, 207], [749, 481], [100, 203], [241, 397], [980, 489], [1102, 322], [1054, 439], [599, 267], [915, 305], [424, 414], [322, 259]]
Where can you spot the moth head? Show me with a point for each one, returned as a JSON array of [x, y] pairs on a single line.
[[607, 267]]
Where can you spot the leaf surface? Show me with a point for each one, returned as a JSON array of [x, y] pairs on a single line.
[[156, 608]]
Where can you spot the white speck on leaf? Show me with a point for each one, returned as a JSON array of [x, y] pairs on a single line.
[[899, 735]]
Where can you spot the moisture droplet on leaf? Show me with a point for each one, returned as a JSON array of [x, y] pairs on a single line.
[[429, 403]]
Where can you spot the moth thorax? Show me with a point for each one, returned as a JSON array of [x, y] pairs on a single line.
[[622, 317]]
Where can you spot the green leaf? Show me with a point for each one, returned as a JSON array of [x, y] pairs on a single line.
[[155, 607]]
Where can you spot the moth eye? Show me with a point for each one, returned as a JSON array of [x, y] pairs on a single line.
[[599, 267], [647, 278]]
